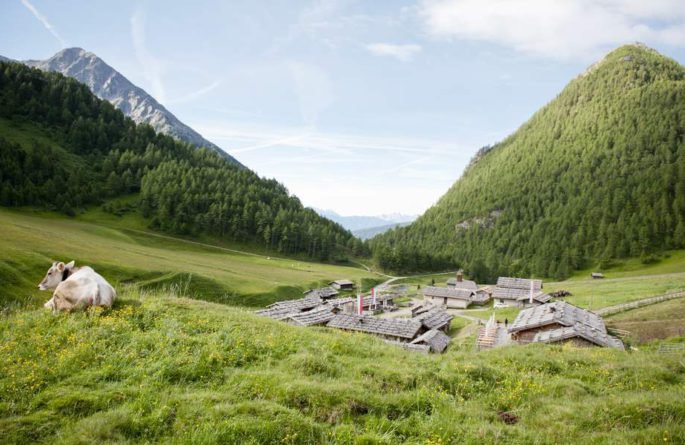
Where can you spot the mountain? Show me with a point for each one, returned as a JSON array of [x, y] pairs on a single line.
[[354, 223], [370, 232], [110, 85], [595, 175], [62, 148], [5, 59]]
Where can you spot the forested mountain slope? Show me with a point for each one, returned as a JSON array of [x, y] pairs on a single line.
[[598, 173], [62, 148], [107, 83]]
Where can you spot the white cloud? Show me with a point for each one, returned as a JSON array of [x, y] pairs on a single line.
[[152, 67], [401, 52], [564, 30], [42, 19]]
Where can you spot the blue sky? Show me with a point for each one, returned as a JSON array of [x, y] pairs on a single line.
[[363, 107]]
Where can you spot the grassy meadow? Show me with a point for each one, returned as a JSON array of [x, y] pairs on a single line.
[[29, 243], [162, 368], [658, 321], [170, 365]]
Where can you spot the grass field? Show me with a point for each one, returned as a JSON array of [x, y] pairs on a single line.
[[167, 369], [29, 243], [658, 321]]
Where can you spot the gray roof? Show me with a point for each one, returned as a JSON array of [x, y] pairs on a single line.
[[464, 284], [574, 321], [518, 283], [343, 282], [340, 301], [406, 329], [437, 340], [559, 312], [281, 309], [323, 292], [505, 293], [481, 296], [434, 319], [579, 330], [447, 292], [319, 315]]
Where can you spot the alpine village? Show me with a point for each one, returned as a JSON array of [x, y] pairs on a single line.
[[159, 289]]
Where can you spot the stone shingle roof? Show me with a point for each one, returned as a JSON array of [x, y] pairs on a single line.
[[579, 330], [447, 292], [406, 329], [323, 292], [343, 282], [574, 321], [506, 293], [518, 283], [464, 284], [319, 315], [434, 319], [335, 302], [281, 309], [437, 340], [559, 312]]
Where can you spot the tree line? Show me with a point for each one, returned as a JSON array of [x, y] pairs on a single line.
[[64, 149]]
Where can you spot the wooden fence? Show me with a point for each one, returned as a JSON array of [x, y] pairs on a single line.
[[639, 303]]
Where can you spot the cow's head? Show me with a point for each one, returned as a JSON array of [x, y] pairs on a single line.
[[56, 274]]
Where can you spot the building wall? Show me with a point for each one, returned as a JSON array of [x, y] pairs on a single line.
[[510, 303], [529, 334], [451, 303]]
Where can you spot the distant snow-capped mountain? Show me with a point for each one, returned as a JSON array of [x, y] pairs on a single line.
[[109, 84], [357, 223]]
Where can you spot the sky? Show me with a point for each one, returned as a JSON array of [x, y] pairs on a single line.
[[362, 107]]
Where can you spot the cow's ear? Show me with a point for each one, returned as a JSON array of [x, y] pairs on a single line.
[[60, 266], [70, 265]]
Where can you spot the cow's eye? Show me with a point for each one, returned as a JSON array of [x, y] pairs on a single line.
[[49, 273]]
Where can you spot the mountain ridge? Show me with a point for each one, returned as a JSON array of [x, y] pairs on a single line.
[[597, 173], [109, 84]]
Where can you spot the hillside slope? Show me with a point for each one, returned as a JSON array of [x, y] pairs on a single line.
[[62, 148], [163, 369], [598, 173], [110, 85]]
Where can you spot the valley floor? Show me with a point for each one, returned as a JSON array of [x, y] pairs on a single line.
[[161, 367]]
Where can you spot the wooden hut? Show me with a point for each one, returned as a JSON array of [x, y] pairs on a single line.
[[561, 322], [516, 292], [435, 319], [323, 293], [436, 340], [342, 284], [387, 328], [449, 297]]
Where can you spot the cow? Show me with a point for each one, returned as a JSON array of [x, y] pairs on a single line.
[[76, 288]]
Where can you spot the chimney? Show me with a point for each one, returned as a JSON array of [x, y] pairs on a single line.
[[531, 292], [460, 276]]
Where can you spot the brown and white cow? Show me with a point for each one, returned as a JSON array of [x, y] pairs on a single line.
[[76, 288]]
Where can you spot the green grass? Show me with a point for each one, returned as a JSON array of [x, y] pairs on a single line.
[[668, 263], [657, 321], [30, 242], [160, 368], [595, 294]]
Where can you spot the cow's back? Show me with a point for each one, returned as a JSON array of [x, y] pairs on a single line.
[[84, 288]]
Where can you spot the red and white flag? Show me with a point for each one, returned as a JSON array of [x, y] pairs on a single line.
[[360, 303]]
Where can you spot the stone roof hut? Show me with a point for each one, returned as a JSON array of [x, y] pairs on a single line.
[[561, 322]]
